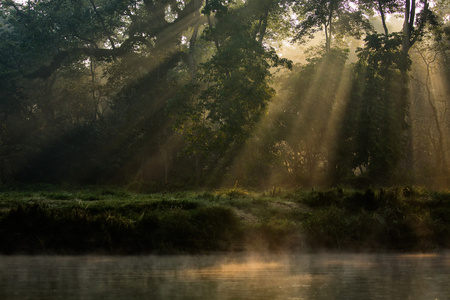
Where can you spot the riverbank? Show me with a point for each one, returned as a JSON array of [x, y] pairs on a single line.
[[55, 220]]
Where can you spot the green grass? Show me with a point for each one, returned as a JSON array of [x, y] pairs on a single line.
[[52, 219]]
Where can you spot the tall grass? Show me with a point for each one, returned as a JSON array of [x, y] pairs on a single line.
[[106, 220]]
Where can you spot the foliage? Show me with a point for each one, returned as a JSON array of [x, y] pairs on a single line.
[[335, 17], [126, 92], [219, 108], [304, 137], [395, 218], [51, 219], [374, 128]]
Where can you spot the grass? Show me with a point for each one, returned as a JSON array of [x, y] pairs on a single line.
[[70, 220]]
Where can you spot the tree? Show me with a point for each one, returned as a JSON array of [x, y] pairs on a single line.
[[63, 59], [313, 97], [217, 111], [374, 125], [429, 102], [377, 131], [430, 138], [329, 16]]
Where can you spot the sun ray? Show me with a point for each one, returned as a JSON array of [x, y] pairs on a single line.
[[330, 109], [429, 111], [156, 156]]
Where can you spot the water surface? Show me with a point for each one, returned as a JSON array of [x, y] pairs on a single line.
[[236, 276]]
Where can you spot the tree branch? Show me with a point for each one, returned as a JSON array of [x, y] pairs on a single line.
[[160, 33], [423, 21], [412, 14], [263, 29], [98, 53], [216, 41], [14, 5], [103, 23]]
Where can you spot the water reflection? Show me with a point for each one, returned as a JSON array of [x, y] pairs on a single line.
[[237, 276]]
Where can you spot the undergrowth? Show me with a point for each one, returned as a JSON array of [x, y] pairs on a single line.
[[70, 220]]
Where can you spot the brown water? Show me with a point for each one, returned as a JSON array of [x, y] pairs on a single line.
[[237, 276]]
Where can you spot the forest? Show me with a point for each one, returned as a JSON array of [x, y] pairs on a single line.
[[159, 94]]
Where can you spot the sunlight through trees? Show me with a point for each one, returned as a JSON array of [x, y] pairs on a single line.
[[205, 93]]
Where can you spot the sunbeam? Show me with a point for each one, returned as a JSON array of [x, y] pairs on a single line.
[[429, 110], [309, 131]]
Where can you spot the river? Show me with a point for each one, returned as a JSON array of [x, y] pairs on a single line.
[[227, 276]]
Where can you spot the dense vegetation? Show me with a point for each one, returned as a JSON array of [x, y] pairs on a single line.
[[49, 219], [183, 95], [207, 93]]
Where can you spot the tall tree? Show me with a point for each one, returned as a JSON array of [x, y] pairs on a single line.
[[375, 126], [219, 110], [314, 93], [378, 127], [328, 16], [46, 50]]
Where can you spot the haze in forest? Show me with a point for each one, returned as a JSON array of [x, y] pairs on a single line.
[[255, 93]]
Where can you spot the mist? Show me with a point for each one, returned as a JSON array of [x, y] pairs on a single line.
[[254, 94], [311, 276]]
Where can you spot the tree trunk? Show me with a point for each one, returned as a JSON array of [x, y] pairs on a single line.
[[330, 31], [262, 31], [192, 44], [408, 24], [46, 103], [94, 98], [441, 162], [166, 160], [198, 168], [383, 18], [216, 41]]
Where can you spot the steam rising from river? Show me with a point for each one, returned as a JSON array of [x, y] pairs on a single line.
[[232, 276]]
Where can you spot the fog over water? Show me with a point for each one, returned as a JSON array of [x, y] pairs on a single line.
[[235, 276]]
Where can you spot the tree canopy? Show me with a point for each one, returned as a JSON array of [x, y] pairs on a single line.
[[204, 92]]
